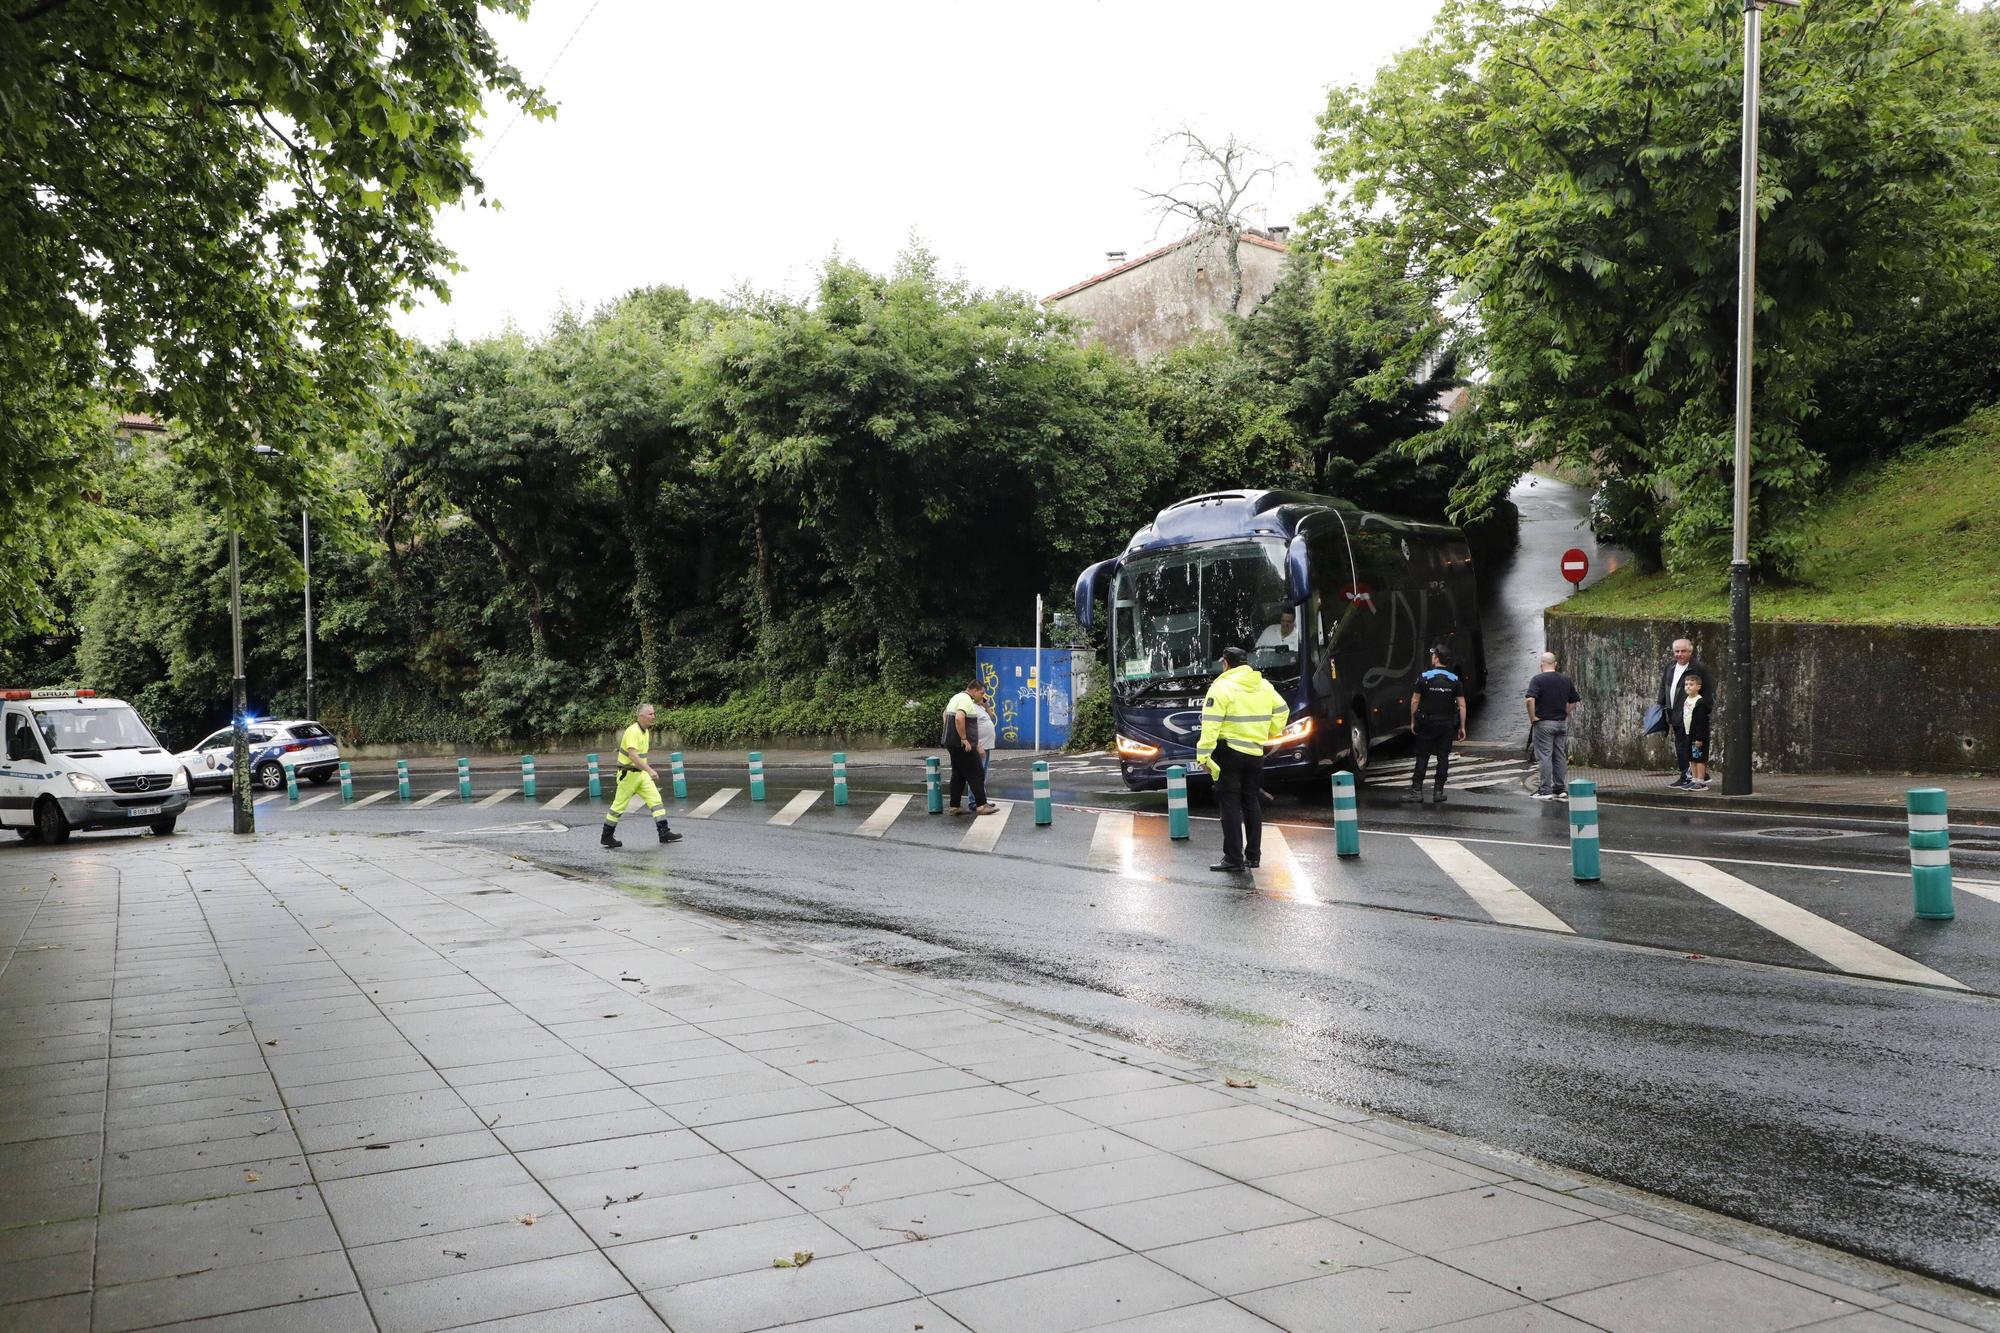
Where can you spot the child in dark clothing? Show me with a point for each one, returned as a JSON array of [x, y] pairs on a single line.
[[1690, 723]]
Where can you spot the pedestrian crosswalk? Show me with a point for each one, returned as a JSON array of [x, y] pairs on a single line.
[[1510, 881], [1465, 774]]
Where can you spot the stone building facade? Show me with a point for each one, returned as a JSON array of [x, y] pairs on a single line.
[[1171, 296]]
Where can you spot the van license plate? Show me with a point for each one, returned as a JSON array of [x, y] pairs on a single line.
[[142, 811]]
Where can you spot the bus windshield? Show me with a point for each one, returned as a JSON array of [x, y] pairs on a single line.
[[1173, 613]]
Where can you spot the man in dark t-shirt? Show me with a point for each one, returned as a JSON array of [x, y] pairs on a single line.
[[1552, 697]]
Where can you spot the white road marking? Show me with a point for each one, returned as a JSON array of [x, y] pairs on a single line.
[[795, 807], [1111, 842], [266, 800], [312, 800], [1281, 874], [433, 798], [1979, 887], [494, 799], [885, 814], [1498, 896], [1815, 934], [984, 834], [204, 803], [721, 798], [370, 800], [563, 798]]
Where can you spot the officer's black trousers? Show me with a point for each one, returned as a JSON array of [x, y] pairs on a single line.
[[1239, 792], [967, 771], [1433, 738]]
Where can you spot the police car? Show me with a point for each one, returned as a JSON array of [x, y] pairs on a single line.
[[75, 761], [306, 746]]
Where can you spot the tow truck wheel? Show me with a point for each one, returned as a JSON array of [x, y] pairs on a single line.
[[50, 826], [164, 827], [270, 775]]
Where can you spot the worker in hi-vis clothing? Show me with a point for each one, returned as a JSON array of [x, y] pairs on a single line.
[[1241, 712], [636, 777]]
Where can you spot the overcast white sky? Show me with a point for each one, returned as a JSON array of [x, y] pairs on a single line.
[[713, 146]]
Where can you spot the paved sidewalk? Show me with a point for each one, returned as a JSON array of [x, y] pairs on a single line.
[[327, 1082]]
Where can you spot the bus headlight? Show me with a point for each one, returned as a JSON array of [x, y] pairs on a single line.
[[1136, 750], [1298, 733], [86, 784]]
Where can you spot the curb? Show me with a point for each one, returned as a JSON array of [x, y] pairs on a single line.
[[1768, 805]]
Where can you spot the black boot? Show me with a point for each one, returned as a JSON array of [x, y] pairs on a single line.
[[667, 834], [608, 837]]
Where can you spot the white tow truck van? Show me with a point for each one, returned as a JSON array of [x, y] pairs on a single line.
[[70, 760]]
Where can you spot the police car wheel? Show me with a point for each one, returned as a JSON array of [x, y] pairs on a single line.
[[50, 826], [320, 779], [270, 775]]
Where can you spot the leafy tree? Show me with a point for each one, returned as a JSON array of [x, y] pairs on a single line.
[[1358, 360], [211, 210], [1567, 171]]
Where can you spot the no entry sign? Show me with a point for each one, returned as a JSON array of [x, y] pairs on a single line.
[[1575, 564]]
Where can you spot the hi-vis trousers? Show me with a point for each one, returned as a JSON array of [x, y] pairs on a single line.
[[634, 782]]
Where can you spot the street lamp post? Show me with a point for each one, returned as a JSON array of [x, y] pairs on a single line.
[[244, 819], [306, 551], [1736, 758]]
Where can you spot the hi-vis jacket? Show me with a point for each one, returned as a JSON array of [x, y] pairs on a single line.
[[1241, 711]]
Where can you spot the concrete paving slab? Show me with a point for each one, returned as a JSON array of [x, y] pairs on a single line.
[[680, 1101]]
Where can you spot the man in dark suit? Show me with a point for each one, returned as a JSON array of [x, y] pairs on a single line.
[[1669, 698]]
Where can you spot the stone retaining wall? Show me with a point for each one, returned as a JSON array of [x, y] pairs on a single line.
[[1827, 698]]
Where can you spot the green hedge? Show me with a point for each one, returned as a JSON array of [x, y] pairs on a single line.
[[1091, 725], [862, 711]]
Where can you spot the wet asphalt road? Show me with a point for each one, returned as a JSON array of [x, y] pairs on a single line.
[[1753, 1078]]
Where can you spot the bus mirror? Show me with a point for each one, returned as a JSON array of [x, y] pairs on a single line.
[[1298, 576], [1090, 586]]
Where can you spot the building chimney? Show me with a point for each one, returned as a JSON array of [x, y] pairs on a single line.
[[1282, 235]]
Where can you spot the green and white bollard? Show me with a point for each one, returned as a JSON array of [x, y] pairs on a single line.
[[1583, 863], [1930, 853], [933, 790], [402, 779], [1177, 806], [756, 775], [346, 783], [1045, 807], [680, 776], [464, 779], [291, 781], [527, 777], [596, 781], [840, 778], [1346, 816]]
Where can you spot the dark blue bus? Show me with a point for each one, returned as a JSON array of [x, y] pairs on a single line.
[[1337, 606]]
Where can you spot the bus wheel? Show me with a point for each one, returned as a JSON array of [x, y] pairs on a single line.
[[1357, 743]]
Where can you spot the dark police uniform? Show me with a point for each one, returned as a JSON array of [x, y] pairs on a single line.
[[1436, 694]]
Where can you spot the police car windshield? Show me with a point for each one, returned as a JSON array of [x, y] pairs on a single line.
[[1173, 613], [74, 730]]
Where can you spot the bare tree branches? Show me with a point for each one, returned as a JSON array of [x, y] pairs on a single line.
[[1217, 185]]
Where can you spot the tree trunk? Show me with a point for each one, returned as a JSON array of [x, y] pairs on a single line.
[[1232, 240], [512, 566], [766, 619], [645, 598]]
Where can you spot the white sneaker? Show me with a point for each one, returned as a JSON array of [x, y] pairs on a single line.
[[1545, 796]]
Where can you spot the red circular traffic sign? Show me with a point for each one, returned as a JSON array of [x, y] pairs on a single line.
[[1575, 564]]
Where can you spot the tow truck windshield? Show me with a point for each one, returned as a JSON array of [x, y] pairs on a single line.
[[86, 730]]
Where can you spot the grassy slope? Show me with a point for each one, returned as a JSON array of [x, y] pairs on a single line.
[[1914, 541]]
